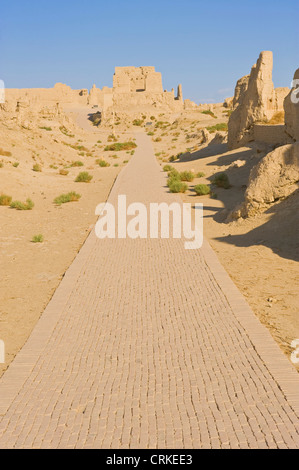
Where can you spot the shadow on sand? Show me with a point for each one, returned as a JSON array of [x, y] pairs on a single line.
[[280, 233]]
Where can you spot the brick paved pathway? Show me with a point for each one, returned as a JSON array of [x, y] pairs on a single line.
[[145, 344]]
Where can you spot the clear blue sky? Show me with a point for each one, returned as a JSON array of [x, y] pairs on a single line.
[[204, 45]]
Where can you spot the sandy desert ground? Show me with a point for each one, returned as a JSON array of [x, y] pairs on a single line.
[[30, 272]]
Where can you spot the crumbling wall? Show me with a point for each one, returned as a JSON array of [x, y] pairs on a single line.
[[137, 79], [256, 104], [291, 108]]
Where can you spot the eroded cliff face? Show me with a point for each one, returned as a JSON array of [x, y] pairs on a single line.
[[255, 101], [291, 108]]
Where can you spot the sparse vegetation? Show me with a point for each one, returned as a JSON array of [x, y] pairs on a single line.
[[176, 186], [16, 164], [209, 113], [5, 200], [187, 176], [65, 131], [222, 181], [37, 168], [77, 164], [137, 122], [38, 238], [83, 177], [202, 189], [63, 172], [102, 163], [46, 128], [21, 206], [173, 158], [117, 147], [218, 127], [200, 175], [168, 168], [64, 198]]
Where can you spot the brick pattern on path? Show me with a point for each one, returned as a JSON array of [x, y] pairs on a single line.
[[148, 345]]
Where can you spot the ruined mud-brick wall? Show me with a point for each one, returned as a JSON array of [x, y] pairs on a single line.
[[39, 97], [255, 101], [137, 79], [270, 134]]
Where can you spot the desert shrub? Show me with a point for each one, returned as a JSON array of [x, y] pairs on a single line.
[[173, 158], [118, 146], [200, 175], [161, 124], [177, 186], [168, 168], [151, 133], [137, 122], [65, 131], [173, 173], [173, 176], [38, 238], [210, 113], [46, 128], [83, 177], [187, 176], [218, 127], [102, 163], [152, 118], [21, 206], [116, 165], [63, 172], [202, 189], [158, 139], [80, 148], [5, 200], [112, 138], [1, 165], [77, 164], [222, 181], [16, 164], [37, 167], [64, 198]]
